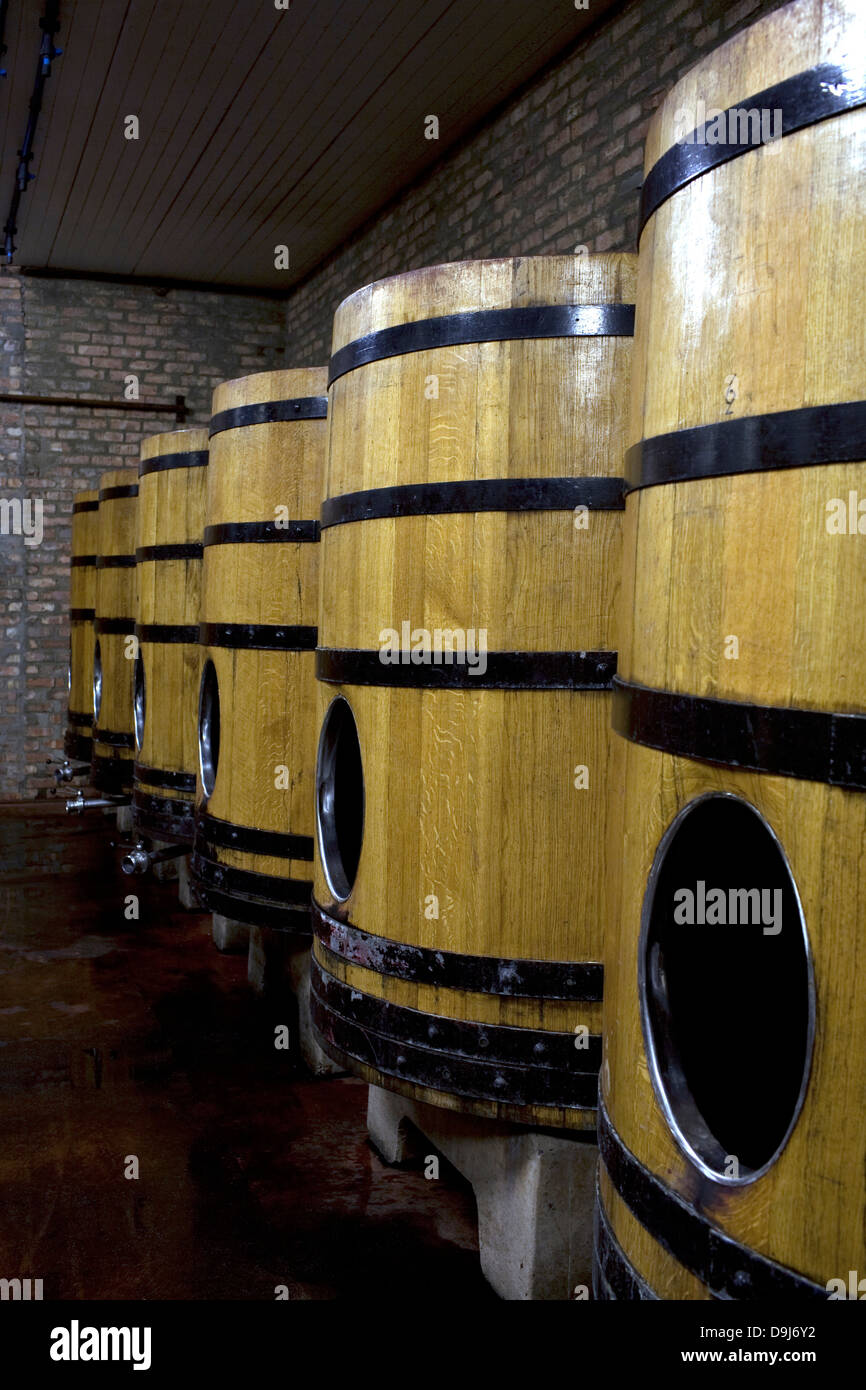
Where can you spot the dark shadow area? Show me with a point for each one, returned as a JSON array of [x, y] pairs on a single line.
[[131, 1041]]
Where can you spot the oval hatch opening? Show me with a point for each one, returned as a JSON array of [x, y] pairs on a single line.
[[97, 680], [139, 701], [340, 798], [209, 728], [726, 987]]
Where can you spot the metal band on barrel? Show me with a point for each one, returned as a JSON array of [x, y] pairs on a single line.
[[260, 532], [166, 632], [579, 982], [113, 738], [119, 627], [503, 671], [111, 494], [293, 918], [477, 1060], [475, 495], [804, 438], [252, 840], [164, 463], [163, 817], [270, 413], [85, 507], [262, 637], [485, 326], [187, 550], [161, 777], [802, 100], [116, 562], [260, 899], [489, 1042], [728, 1269], [815, 745], [614, 1277]]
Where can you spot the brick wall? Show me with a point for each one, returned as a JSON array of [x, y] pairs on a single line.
[[82, 337], [12, 550], [559, 166]]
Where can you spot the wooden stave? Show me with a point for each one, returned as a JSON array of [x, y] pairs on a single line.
[[775, 1214], [111, 768], [558, 1015], [247, 884], [170, 512], [78, 737]]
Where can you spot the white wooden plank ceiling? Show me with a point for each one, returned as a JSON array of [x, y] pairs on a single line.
[[258, 127]]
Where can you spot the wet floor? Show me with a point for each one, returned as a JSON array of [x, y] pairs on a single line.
[[129, 1043]]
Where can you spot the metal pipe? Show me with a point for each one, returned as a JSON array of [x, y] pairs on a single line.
[[158, 283], [4, 10], [79, 803], [178, 410], [139, 859]]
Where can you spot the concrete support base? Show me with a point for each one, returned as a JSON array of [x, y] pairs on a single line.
[[166, 869], [185, 887], [534, 1191], [229, 935], [299, 979], [266, 963], [279, 963]]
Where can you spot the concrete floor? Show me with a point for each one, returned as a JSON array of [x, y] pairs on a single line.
[[121, 1037]]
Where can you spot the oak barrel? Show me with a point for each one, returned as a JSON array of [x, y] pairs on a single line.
[[114, 632], [473, 515], [257, 737], [78, 740], [731, 1130], [172, 477]]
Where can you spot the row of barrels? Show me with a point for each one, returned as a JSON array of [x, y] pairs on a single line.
[[524, 646]]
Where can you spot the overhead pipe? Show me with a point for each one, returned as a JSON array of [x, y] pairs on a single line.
[[178, 410], [4, 11], [49, 24]]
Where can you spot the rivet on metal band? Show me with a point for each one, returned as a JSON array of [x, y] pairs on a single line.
[[263, 637], [260, 532]]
